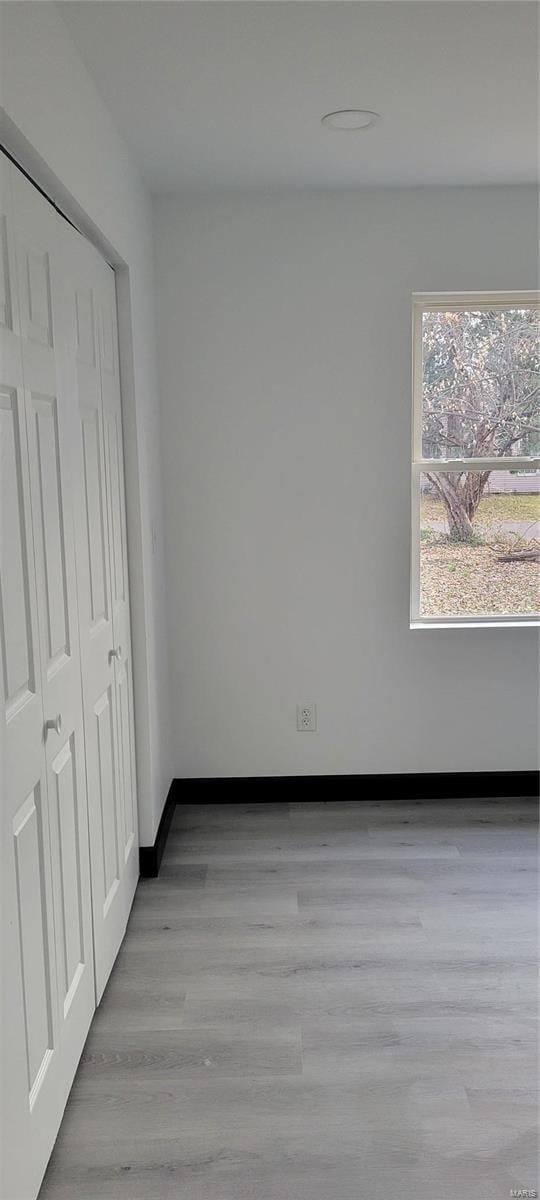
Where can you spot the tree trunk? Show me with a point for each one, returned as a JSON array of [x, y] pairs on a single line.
[[473, 486], [461, 495]]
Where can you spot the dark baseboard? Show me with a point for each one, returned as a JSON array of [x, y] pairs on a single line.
[[150, 856], [447, 785]]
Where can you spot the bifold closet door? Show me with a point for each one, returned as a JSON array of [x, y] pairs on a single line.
[[47, 970], [69, 854], [90, 304], [116, 507]]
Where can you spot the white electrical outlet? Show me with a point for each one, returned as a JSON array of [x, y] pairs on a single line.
[[306, 717]]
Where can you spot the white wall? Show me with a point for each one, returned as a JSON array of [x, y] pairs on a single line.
[[52, 105], [284, 352]]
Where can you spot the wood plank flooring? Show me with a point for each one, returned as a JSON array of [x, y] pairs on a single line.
[[319, 1001]]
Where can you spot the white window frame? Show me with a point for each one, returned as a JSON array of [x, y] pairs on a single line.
[[454, 302]]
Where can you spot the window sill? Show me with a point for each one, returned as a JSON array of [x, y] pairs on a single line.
[[527, 623]]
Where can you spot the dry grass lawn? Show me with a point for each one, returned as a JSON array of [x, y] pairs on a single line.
[[491, 509], [457, 580], [461, 580]]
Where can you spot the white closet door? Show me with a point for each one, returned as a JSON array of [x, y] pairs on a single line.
[[48, 919], [114, 853], [69, 853], [114, 469], [29, 1025]]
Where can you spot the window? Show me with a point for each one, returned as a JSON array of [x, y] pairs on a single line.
[[476, 459]]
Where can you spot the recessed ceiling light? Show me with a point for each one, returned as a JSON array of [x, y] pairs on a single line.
[[350, 120]]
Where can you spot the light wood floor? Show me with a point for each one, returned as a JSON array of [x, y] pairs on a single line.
[[319, 1002]]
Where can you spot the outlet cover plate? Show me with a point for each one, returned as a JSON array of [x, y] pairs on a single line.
[[306, 717]]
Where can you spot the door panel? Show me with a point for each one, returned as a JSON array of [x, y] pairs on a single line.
[[86, 334], [32, 918], [126, 750], [66, 774], [35, 296], [107, 783], [16, 624], [115, 470], [95, 523], [49, 514], [5, 283]]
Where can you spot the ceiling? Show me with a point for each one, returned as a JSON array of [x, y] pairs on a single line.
[[230, 94]]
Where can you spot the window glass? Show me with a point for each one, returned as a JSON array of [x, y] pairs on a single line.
[[490, 567], [480, 383]]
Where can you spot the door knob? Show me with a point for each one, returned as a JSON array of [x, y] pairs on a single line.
[[54, 723], [116, 652]]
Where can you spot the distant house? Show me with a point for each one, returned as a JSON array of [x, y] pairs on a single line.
[[524, 482], [521, 482]]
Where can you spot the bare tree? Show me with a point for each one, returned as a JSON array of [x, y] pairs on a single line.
[[481, 399]]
